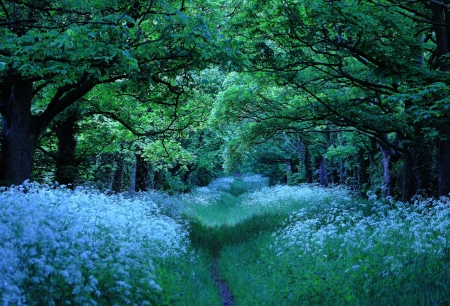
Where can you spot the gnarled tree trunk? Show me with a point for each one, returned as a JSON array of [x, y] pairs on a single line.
[[21, 129], [18, 133]]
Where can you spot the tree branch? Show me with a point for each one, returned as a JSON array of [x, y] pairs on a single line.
[[126, 125], [64, 97]]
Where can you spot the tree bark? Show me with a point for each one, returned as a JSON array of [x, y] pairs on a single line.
[[305, 158], [159, 179], [18, 133], [389, 157], [323, 175], [142, 174], [119, 173], [409, 175], [20, 129], [363, 175], [288, 170], [441, 18], [444, 160], [342, 169], [132, 189], [66, 163], [423, 157]]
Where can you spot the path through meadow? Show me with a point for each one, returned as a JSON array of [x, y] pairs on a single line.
[[234, 242], [295, 245], [224, 290]]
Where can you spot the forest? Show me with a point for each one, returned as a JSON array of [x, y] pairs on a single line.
[[198, 126]]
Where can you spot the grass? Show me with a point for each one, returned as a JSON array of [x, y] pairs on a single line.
[[187, 281], [307, 245], [82, 247], [282, 245]]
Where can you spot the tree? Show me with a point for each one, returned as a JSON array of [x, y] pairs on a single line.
[[377, 67], [54, 53]]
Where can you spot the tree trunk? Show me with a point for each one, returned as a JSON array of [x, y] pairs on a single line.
[[132, 190], [363, 175], [142, 174], [18, 133], [288, 170], [444, 161], [441, 18], [323, 176], [119, 173], [389, 157], [305, 158], [422, 152], [159, 179], [111, 177], [409, 175], [104, 175], [342, 175], [66, 163]]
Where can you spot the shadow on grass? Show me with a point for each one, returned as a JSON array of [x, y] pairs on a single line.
[[213, 238]]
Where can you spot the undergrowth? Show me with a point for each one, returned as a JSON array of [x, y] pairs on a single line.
[[307, 245], [282, 245], [82, 247]]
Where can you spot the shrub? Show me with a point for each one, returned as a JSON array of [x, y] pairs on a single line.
[[82, 247]]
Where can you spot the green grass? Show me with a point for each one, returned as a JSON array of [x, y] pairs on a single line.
[[312, 246], [258, 276], [187, 281], [213, 238], [283, 245], [237, 188]]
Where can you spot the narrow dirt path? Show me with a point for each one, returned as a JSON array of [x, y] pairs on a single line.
[[222, 286]]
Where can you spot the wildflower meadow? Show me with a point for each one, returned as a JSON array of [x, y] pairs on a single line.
[[280, 245], [83, 247]]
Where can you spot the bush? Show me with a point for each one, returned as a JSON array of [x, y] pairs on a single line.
[[82, 247]]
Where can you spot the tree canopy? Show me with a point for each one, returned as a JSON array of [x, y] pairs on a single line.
[[346, 92]]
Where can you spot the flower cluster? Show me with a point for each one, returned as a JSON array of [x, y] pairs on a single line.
[[391, 233], [311, 196], [81, 246], [221, 184], [203, 196], [255, 182]]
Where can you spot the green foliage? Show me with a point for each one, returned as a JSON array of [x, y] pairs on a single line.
[[237, 188], [195, 85], [141, 70], [187, 280], [323, 246], [201, 177], [316, 66], [297, 178]]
